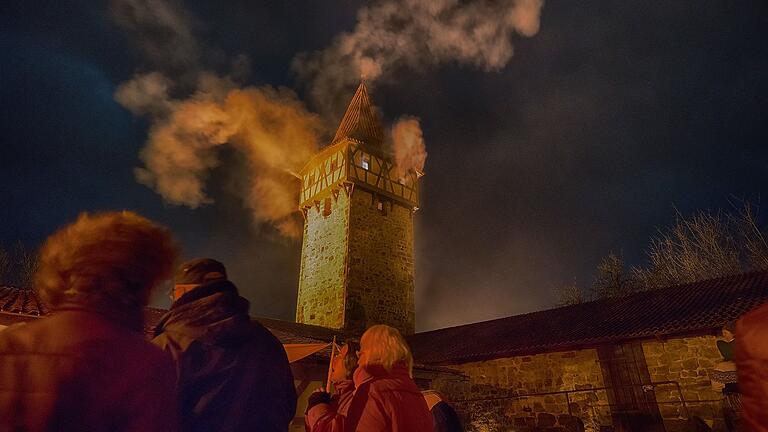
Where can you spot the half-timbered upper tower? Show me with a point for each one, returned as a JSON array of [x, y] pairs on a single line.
[[357, 254]]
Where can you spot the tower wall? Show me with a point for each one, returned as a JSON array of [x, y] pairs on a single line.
[[323, 255], [380, 285]]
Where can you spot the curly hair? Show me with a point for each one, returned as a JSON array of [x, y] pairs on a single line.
[[111, 258], [384, 345]]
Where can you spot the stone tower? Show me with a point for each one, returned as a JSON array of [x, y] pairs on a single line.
[[357, 254]]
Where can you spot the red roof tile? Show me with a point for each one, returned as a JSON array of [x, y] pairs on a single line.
[[360, 121], [701, 307], [21, 301]]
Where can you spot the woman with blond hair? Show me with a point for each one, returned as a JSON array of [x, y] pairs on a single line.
[[386, 398], [87, 367]]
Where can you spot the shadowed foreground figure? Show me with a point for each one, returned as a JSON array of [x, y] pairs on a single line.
[[87, 367], [752, 368], [233, 374]]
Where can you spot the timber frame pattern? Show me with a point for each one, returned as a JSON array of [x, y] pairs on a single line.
[[346, 164]]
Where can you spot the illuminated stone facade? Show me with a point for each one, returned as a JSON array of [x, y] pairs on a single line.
[[688, 362], [357, 264], [357, 254], [528, 392], [323, 265], [380, 280]]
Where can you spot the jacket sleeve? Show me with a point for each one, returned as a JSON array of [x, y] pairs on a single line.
[[323, 418]]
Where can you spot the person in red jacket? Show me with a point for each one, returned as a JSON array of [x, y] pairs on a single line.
[[752, 368], [87, 367], [386, 399], [325, 416]]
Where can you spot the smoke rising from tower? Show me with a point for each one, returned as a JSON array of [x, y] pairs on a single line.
[[193, 112], [408, 146], [270, 128], [415, 34]]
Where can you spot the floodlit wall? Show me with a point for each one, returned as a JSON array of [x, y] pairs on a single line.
[[357, 263], [380, 286], [505, 394], [687, 361], [324, 251]]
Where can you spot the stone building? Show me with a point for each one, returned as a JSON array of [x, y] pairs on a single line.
[[636, 363], [357, 251]]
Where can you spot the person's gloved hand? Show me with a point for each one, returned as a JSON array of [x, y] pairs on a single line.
[[317, 397]]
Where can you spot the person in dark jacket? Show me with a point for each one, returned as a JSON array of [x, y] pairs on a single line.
[[87, 367], [233, 374]]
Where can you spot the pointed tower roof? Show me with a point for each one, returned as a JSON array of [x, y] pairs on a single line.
[[360, 121]]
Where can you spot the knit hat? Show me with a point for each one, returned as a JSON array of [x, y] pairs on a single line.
[[200, 271]]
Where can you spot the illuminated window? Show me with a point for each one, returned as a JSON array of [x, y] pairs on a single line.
[[334, 165], [365, 161], [381, 206]]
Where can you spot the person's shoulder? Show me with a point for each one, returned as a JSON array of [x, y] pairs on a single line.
[[755, 317], [261, 334], [133, 346], [17, 336]]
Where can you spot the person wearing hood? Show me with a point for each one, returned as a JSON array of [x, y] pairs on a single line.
[[233, 374]]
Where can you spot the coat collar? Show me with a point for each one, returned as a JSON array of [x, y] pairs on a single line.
[[131, 319], [364, 374], [212, 310]]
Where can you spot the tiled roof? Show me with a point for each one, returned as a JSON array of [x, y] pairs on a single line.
[[21, 301], [700, 307], [360, 121], [25, 303], [293, 332], [287, 332]]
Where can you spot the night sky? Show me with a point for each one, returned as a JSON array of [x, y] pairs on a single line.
[[585, 141]]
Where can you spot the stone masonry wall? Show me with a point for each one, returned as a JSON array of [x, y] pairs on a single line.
[[500, 394], [321, 283], [380, 275], [688, 361]]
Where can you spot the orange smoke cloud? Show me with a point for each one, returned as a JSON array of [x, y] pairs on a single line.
[[269, 127], [408, 146], [415, 34]]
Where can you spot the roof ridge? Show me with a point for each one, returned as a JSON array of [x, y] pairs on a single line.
[[736, 277]]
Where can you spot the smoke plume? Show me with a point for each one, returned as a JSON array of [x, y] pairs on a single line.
[[269, 127], [161, 29], [193, 113], [415, 34], [408, 146]]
